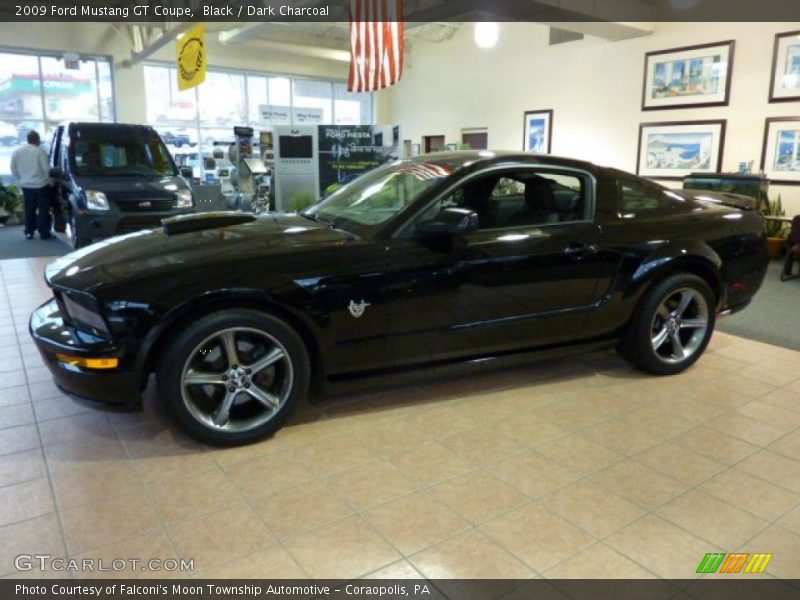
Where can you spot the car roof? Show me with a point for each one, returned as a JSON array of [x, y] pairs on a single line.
[[109, 126], [474, 159]]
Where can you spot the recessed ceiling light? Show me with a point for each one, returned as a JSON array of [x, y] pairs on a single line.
[[486, 34]]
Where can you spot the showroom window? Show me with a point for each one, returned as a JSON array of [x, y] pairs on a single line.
[[349, 108], [207, 114], [314, 94], [38, 91]]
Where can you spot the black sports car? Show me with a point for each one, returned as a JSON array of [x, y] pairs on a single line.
[[441, 258]]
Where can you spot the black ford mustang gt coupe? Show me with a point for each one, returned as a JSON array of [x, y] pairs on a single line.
[[437, 259]]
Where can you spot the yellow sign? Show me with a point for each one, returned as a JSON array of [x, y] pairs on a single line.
[[192, 58]]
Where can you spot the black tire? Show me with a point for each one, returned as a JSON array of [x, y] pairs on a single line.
[[175, 363], [78, 241], [636, 343]]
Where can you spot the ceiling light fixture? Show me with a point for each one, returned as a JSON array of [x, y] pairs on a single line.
[[486, 34]]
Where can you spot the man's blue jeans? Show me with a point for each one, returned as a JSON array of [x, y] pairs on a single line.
[[37, 211]]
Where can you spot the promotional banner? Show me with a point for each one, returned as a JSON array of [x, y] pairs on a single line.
[[347, 151], [192, 58], [283, 115]]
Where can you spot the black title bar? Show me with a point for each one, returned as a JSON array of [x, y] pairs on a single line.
[[729, 588], [544, 11]]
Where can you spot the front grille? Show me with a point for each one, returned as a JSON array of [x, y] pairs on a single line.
[[131, 224], [145, 205]]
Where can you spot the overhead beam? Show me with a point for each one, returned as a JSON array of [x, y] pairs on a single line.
[[167, 36], [612, 31], [322, 52], [242, 34]]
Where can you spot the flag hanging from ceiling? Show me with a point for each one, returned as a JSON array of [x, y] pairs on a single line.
[[377, 44]]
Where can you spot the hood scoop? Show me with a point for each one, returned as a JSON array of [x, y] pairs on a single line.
[[206, 220]]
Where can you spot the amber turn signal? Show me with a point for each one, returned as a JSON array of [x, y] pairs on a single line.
[[89, 363]]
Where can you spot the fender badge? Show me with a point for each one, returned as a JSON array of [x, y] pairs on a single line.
[[357, 308]]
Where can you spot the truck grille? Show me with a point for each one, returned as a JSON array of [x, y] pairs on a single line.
[[160, 205]]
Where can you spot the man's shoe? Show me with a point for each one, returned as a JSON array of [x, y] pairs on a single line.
[[28, 236]]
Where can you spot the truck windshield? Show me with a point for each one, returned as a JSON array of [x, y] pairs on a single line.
[[95, 154]]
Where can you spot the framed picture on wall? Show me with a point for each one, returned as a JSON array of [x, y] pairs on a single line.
[[538, 130], [780, 154], [784, 85], [689, 76], [673, 149]]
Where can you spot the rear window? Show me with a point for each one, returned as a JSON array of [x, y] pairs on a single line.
[[111, 154]]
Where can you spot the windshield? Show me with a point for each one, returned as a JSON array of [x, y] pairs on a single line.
[[376, 197], [96, 154]]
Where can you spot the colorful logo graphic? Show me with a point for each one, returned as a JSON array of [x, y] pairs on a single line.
[[737, 562]]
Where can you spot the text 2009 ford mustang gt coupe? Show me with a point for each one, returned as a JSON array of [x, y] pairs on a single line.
[[441, 258]]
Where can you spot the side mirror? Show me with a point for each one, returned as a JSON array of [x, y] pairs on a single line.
[[450, 221], [56, 173], [187, 172]]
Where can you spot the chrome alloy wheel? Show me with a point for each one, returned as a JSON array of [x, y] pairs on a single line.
[[679, 325], [236, 379]]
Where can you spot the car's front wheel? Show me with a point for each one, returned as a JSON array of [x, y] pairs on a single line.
[[233, 376], [78, 240], [671, 326]]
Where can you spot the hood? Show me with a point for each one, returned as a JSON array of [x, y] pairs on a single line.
[[152, 252]]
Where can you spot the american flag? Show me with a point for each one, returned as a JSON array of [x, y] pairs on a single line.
[[377, 44], [425, 171]]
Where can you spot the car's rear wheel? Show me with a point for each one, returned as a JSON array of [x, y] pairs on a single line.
[[234, 376], [671, 326]]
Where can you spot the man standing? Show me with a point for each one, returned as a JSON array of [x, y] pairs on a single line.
[[30, 165]]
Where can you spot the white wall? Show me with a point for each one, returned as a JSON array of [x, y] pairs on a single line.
[[594, 87], [102, 39]]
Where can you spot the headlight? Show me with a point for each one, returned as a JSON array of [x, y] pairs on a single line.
[[83, 315], [183, 199], [96, 200]]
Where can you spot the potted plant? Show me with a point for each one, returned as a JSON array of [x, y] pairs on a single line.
[[10, 203], [776, 230]]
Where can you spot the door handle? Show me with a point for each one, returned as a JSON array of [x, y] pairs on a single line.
[[579, 249]]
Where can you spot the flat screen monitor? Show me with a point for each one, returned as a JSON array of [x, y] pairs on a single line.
[[296, 146]]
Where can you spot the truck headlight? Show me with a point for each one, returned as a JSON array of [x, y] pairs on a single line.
[[96, 200], [183, 199]]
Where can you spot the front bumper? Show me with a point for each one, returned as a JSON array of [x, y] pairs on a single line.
[[52, 337], [97, 224]]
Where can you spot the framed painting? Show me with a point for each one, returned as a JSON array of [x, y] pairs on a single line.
[[689, 76], [674, 149], [784, 85], [538, 131], [780, 154]]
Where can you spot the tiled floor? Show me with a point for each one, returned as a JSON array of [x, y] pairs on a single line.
[[578, 467]]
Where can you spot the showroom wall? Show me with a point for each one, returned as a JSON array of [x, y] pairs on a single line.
[[593, 85], [102, 39]]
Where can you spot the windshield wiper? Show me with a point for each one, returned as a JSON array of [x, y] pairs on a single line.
[[316, 219]]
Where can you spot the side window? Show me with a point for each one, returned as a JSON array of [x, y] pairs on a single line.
[[539, 198], [639, 199], [524, 197]]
